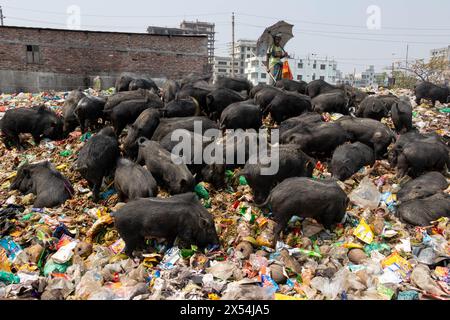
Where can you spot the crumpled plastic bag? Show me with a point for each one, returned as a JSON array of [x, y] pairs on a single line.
[[420, 277], [366, 195], [222, 270]]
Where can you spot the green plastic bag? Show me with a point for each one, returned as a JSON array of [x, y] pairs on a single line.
[[8, 277], [242, 181], [52, 266], [201, 191], [65, 153]]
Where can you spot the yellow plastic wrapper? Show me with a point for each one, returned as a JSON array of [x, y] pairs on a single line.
[[264, 241], [397, 264], [213, 296], [103, 220], [279, 296], [251, 240], [61, 167], [353, 246], [5, 265], [363, 232], [151, 260]]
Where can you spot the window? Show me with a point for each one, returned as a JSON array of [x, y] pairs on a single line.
[[322, 78], [255, 63], [248, 56], [314, 76], [222, 70], [263, 76], [32, 54], [322, 67], [242, 49], [242, 63], [300, 65], [242, 56], [299, 77], [314, 66], [248, 48], [222, 63]]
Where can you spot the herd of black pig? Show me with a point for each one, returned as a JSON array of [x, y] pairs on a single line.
[[151, 114]]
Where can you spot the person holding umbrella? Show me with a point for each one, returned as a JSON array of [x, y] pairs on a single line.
[[274, 55]]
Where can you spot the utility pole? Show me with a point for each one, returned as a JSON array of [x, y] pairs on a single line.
[[1, 15], [407, 54], [232, 45]]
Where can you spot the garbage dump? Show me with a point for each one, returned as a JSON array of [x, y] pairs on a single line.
[[74, 251]]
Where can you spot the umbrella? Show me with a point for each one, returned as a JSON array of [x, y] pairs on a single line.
[[265, 41]]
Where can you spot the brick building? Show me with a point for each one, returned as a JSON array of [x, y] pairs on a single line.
[[37, 59]]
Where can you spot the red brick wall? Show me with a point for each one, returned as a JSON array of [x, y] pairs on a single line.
[[89, 53]]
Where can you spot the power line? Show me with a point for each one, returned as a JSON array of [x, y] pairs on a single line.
[[345, 25], [107, 16], [348, 38]]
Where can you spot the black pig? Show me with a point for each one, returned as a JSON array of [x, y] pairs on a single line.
[[132, 181], [292, 163], [128, 111], [97, 159], [181, 108], [368, 131], [287, 105], [89, 110], [349, 158], [43, 180], [424, 186], [421, 156], [39, 121], [181, 216], [421, 212], [241, 115], [144, 126], [322, 200], [176, 178], [402, 116]]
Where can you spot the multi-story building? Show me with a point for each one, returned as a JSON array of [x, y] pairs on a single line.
[[443, 52], [303, 69], [199, 27], [368, 77], [222, 67], [243, 50]]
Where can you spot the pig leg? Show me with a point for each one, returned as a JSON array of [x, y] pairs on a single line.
[[402, 166], [132, 242], [37, 138], [418, 100], [96, 190]]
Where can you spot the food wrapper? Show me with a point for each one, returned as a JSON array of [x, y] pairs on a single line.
[[442, 273], [363, 232], [397, 264], [118, 246], [385, 292]]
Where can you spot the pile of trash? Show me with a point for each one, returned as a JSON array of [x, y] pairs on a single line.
[[74, 252]]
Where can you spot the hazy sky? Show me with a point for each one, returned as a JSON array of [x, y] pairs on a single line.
[[325, 27]]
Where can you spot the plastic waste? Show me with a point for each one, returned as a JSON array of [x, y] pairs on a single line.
[[8, 277], [201, 191], [366, 195], [64, 253], [408, 295], [170, 258]]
